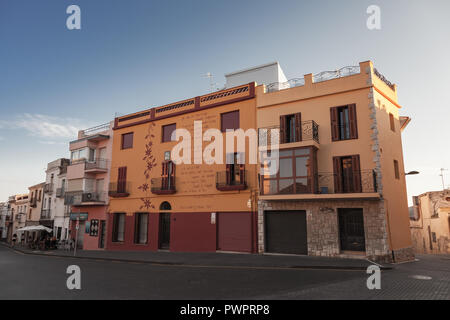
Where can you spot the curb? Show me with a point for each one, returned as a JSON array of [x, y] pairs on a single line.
[[181, 264]]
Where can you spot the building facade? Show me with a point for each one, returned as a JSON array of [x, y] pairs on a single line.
[[36, 196], [88, 183], [3, 223], [341, 189], [54, 214], [158, 203], [430, 222], [19, 209]]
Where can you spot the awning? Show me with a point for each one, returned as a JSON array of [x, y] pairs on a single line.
[[35, 228]]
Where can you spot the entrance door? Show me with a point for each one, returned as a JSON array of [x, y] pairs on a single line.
[[285, 232], [164, 231], [351, 229], [80, 236], [101, 240]]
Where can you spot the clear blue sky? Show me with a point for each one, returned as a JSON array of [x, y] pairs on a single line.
[[135, 54]]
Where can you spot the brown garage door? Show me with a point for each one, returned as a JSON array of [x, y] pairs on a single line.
[[285, 232], [234, 231]]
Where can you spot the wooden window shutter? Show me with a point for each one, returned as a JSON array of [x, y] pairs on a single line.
[[337, 173], [298, 127], [122, 180], [242, 173], [282, 129], [334, 124], [171, 166], [353, 122], [356, 174], [164, 174]]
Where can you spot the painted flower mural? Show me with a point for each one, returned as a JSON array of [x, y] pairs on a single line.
[[150, 163]]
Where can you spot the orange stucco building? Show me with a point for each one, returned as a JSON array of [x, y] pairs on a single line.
[[340, 189], [157, 204], [341, 186]]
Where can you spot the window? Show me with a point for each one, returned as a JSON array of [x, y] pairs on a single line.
[[396, 170], [347, 174], [82, 154], [235, 169], [118, 234], [343, 123], [122, 180], [167, 132], [290, 128], [392, 122], [296, 168], [141, 228], [127, 140], [168, 175], [229, 121]]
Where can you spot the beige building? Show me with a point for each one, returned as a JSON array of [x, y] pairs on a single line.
[[430, 222], [19, 213], [34, 212]]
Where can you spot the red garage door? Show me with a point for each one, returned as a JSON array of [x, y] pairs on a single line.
[[234, 231]]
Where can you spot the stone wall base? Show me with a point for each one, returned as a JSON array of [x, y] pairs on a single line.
[[405, 254]]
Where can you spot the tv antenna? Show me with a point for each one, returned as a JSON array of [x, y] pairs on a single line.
[[212, 84]]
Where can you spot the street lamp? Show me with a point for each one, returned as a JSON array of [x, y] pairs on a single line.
[[411, 173]]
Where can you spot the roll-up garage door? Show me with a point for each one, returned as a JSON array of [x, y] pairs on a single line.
[[285, 232], [234, 231]]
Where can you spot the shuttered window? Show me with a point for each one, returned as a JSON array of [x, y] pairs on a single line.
[[343, 123], [291, 128], [127, 140], [167, 132], [122, 180], [229, 121], [347, 174], [235, 169], [167, 175]]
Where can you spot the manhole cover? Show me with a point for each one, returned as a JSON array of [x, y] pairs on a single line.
[[419, 277]]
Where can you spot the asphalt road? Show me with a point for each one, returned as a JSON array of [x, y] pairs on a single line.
[[25, 276]]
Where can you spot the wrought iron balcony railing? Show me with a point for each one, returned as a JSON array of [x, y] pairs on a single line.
[[309, 132], [119, 189], [83, 198], [226, 181], [60, 192], [48, 188], [163, 185], [97, 164], [363, 181], [46, 214]]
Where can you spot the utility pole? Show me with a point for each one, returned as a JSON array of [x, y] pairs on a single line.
[[210, 76]]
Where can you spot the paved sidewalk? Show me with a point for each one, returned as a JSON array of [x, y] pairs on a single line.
[[213, 259]]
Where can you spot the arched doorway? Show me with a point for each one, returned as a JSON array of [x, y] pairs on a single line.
[[164, 226]]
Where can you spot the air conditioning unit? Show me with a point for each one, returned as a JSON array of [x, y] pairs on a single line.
[[87, 197]]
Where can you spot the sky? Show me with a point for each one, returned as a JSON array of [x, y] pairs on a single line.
[[133, 55]]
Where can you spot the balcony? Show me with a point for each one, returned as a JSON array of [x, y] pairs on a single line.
[[97, 166], [227, 182], [48, 188], [85, 198], [46, 214], [60, 192], [119, 189], [163, 185], [33, 202], [357, 184], [309, 135]]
